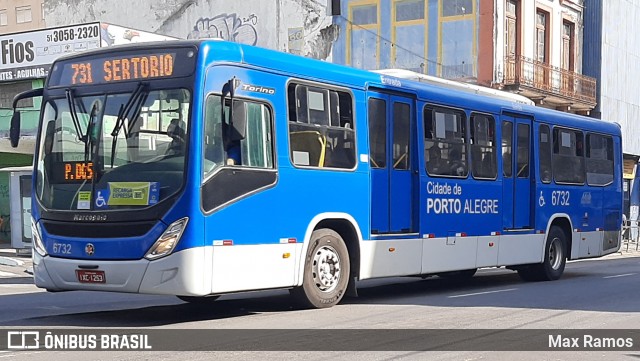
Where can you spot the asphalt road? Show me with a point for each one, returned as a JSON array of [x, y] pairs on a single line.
[[593, 294]]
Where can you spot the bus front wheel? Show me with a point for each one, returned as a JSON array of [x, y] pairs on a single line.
[[555, 259], [326, 271]]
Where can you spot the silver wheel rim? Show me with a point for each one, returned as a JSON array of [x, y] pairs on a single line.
[[326, 268], [555, 253]]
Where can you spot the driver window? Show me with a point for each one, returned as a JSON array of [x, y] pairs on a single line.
[[255, 150]]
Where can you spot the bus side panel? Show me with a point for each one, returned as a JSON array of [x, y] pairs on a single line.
[[590, 244], [449, 254], [258, 238], [387, 258], [252, 267], [613, 205], [521, 249], [460, 223]]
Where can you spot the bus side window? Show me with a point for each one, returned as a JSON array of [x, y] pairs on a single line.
[[256, 149], [445, 128], [544, 150], [507, 143], [321, 132], [568, 156], [599, 159], [483, 160], [377, 133], [213, 147]]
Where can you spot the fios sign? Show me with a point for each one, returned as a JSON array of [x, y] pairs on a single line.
[[16, 53]]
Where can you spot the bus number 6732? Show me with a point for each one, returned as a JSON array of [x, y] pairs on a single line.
[[560, 198]]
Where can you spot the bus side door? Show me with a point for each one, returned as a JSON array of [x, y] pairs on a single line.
[[391, 118], [517, 172]]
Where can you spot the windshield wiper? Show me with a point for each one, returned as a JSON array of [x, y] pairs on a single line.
[[138, 97], [74, 115], [89, 142]]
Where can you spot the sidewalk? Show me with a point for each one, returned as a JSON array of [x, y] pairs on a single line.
[[13, 265], [623, 252]]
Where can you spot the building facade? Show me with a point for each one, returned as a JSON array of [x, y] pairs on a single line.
[[613, 57], [21, 15], [433, 37], [538, 53]]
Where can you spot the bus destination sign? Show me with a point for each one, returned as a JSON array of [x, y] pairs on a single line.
[[118, 69], [113, 68]]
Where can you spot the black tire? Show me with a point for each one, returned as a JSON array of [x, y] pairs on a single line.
[[199, 300], [555, 259], [326, 271], [458, 275]]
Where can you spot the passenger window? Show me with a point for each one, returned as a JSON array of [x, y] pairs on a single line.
[[377, 133], [401, 134], [544, 161], [321, 132], [445, 142], [483, 154], [507, 149], [599, 160], [568, 156], [523, 156]]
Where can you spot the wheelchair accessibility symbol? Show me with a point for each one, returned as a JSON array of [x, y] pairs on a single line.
[[540, 200], [100, 201]]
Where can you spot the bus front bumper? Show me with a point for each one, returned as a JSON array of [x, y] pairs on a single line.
[[183, 273]]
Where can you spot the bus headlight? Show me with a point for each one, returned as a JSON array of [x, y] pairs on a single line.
[[37, 239], [168, 240]]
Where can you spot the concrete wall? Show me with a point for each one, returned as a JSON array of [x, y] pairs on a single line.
[[620, 94], [299, 26]]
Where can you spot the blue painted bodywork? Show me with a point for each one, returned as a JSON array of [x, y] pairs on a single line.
[[286, 208]]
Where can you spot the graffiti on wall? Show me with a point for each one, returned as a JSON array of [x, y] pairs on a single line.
[[229, 27]]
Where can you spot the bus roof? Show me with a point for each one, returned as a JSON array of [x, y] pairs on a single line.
[[434, 90], [471, 88]]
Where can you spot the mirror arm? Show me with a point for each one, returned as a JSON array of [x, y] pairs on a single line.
[[26, 94]]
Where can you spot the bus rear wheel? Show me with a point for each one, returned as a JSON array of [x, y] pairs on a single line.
[[326, 271], [555, 259]]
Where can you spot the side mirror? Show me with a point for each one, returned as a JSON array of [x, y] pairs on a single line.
[[237, 113], [14, 130], [238, 119]]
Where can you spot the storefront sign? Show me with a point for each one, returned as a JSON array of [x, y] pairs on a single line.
[[29, 55]]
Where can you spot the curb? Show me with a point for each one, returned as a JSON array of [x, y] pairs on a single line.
[[7, 261]]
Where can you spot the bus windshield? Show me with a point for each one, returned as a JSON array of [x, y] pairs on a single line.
[[112, 151]]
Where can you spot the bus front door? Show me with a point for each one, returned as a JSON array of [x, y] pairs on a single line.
[[517, 172], [390, 121]]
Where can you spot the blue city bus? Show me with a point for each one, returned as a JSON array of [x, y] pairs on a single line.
[[201, 168]]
